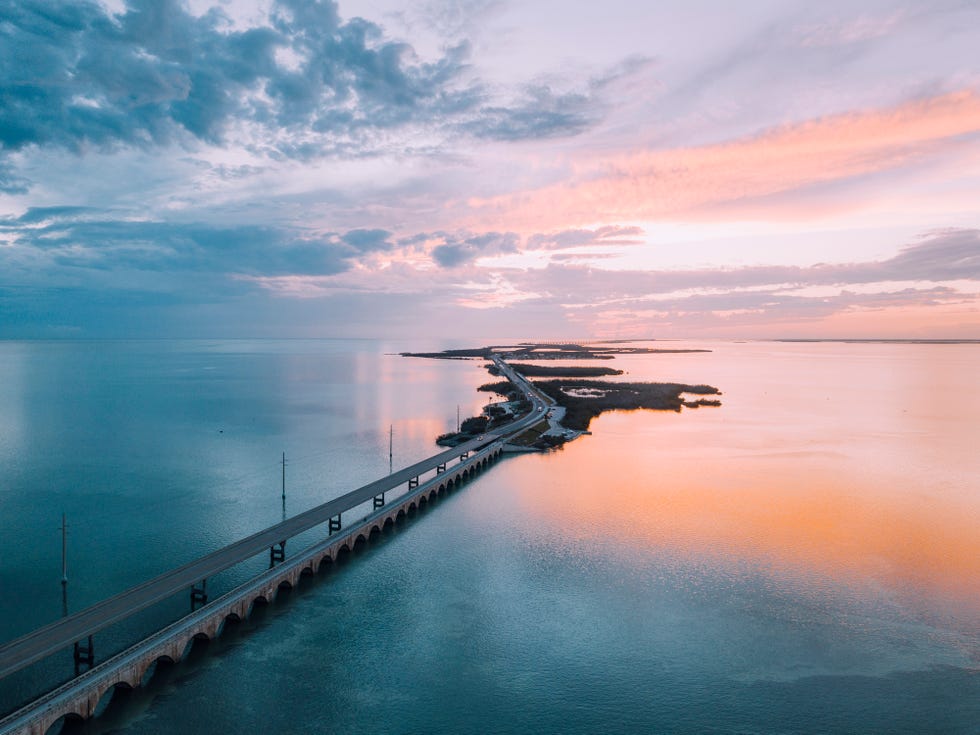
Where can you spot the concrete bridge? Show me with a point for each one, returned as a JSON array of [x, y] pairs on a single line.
[[80, 698]]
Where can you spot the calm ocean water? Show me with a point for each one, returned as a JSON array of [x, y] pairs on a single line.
[[805, 558]]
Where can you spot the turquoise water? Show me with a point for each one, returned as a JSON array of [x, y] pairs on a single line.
[[802, 559]]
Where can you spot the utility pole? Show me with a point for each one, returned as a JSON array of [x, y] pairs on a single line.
[[64, 566], [64, 550], [457, 418], [283, 463], [391, 440]]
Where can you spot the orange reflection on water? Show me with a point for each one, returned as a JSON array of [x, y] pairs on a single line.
[[811, 522], [814, 523], [846, 469]]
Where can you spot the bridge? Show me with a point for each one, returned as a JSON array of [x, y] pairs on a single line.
[[79, 698]]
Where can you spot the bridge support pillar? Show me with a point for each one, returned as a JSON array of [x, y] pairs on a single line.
[[277, 553], [335, 523], [440, 468], [84, 655], [199, 595], [379, 501], [413, 483]]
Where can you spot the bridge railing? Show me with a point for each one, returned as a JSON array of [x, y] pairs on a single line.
[[103, 675]]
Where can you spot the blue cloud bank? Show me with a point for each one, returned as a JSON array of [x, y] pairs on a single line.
[[76, 76]]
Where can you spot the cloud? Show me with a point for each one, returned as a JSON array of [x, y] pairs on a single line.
[[450, 18], [75, 75], [732, 179], [455, 251], [10, 181], [78, 266], [37, 215], [367, 241], [452, 250], [609, 235], [852, 30], [940, 256], [56, 240], [541, 112], [301, 84]]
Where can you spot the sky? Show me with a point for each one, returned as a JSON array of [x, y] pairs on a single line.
[[479, 169]]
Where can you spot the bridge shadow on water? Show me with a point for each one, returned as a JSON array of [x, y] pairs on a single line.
[[122, 705]]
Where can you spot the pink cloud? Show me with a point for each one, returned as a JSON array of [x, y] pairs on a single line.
[[853, 30], [736, 177]]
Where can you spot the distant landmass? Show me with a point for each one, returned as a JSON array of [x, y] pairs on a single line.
[[579, 398], [547, 351], [889, 341]]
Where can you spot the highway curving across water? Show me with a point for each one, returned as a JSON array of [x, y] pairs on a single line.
[[49, 639]]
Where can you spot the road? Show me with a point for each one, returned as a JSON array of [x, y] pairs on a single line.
[[32, 647], [539, 401]]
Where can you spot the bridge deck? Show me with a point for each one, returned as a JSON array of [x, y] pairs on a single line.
[[82, 695], [32, 647]]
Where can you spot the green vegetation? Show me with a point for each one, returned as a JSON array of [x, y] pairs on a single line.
[[532, 437], [452, 439], [701, 402], [503, 387], [493, 416], [482, 352], [547, 371], [570, 387], [474, 425], [589, 398]]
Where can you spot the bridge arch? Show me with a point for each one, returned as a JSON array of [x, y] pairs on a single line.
[[257, 601], [99, 700], [68, 718], [266, 588], [152, 667]]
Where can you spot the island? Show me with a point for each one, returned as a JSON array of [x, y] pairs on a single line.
[[583, 400], [577, 396]]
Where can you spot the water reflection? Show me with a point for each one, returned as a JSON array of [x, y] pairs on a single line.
[[766, 566], [825, 467], [817, 521]]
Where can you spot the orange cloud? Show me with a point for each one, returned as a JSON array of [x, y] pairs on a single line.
[[735, 177]]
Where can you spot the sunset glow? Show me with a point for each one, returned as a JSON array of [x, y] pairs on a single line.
[[357, 168]]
